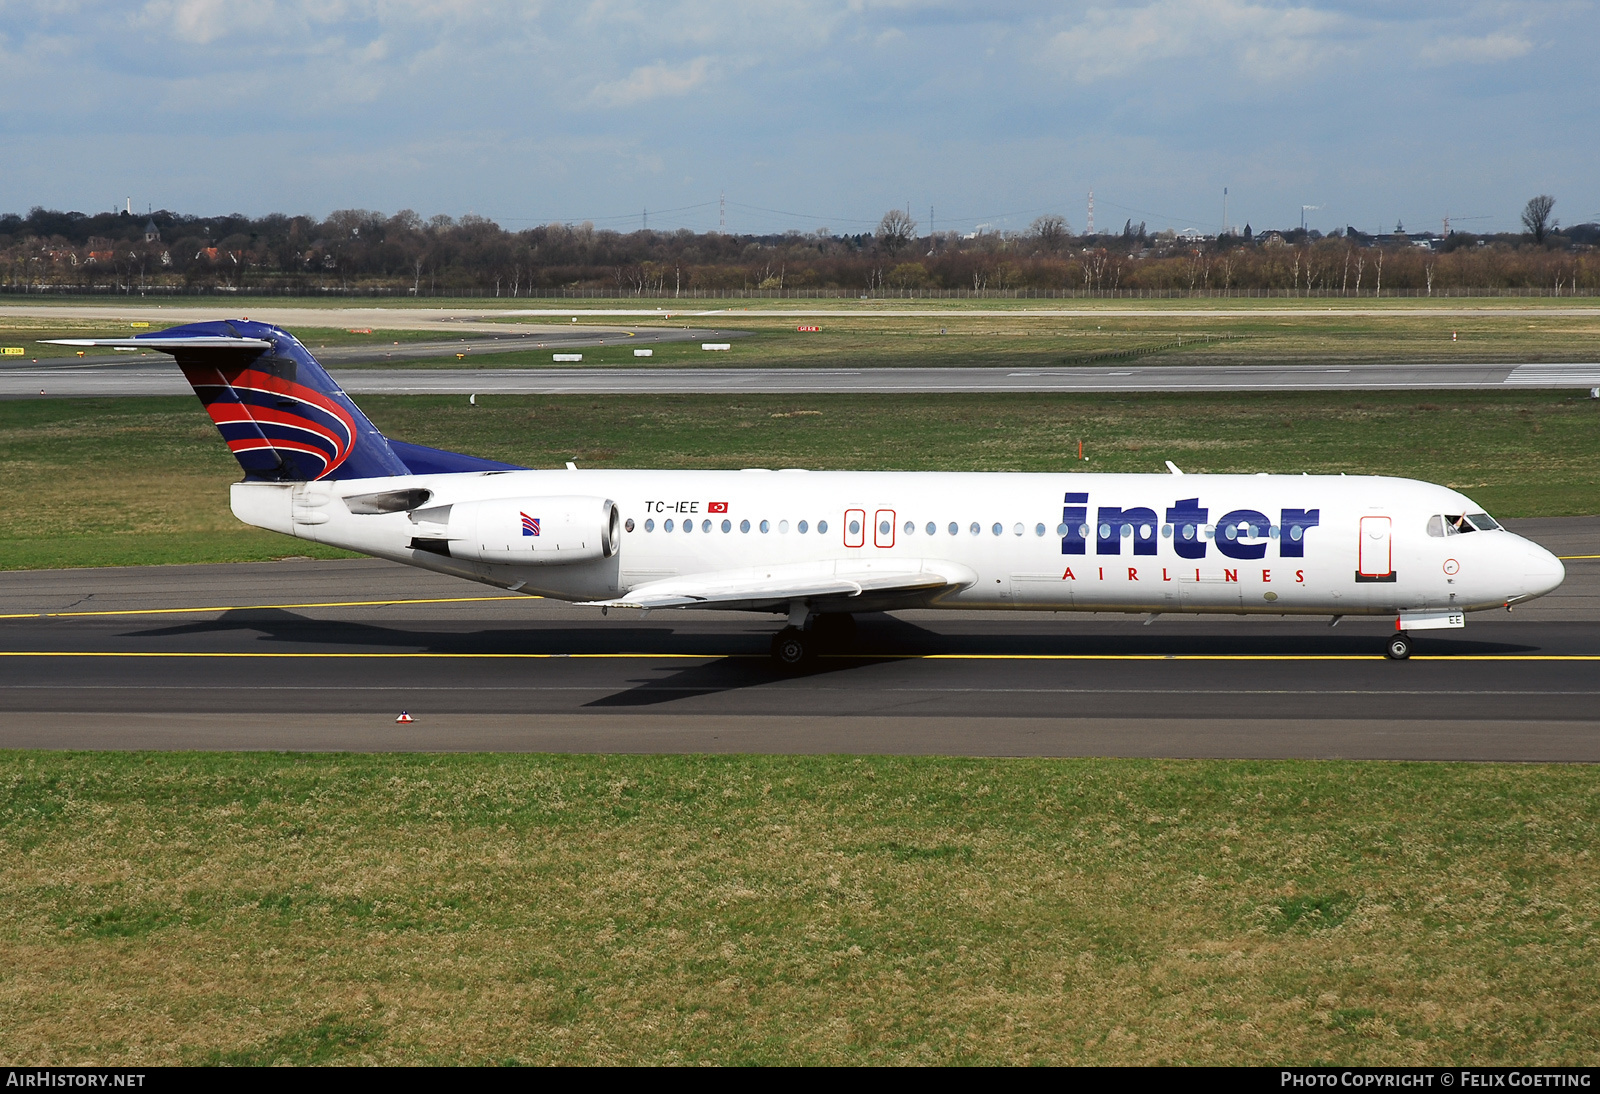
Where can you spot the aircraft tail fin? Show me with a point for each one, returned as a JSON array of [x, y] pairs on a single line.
[[284, 418]]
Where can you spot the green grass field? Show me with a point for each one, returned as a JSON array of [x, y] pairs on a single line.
[[268, 908], [138, 481]]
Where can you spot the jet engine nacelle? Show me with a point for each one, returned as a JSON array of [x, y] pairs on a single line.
[[545, 531]]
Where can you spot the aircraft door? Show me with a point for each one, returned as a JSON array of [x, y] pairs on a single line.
[[855, 527], [883, 528], [1375, 555]]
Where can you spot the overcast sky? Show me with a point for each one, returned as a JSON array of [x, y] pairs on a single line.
[[807, 113]]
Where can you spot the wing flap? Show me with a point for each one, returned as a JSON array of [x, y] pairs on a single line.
[[774, 586]]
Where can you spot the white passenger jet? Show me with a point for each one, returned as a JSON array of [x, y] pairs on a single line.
[[815, 546]]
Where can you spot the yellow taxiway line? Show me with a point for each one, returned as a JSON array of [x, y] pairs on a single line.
[[263, 607], [423, 655]]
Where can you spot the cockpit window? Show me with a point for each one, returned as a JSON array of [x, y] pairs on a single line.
[[1454, 524]]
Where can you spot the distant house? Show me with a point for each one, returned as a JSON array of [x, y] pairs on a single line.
[[152, 234]]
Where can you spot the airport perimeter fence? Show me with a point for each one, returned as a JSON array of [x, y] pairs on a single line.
[[382, 292]]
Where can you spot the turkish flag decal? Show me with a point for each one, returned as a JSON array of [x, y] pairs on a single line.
[[717, 507]]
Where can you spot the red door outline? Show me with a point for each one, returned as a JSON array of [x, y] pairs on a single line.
[[858, 538], [878, 537], [1376, 548]]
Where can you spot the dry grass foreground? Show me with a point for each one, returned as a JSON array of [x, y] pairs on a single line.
[[269, 908]]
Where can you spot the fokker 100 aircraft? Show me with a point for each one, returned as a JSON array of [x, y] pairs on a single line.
[[815, 546]]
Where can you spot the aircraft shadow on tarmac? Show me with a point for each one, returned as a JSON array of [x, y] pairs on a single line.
[[738, 656]]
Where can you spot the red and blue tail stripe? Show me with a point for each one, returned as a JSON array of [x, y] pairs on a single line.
[[265, 418]]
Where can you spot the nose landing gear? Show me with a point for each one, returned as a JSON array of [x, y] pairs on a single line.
[[1399, 647]]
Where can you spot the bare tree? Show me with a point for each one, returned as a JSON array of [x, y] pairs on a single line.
[[1051, 231], [896, 229], [1536, 217]]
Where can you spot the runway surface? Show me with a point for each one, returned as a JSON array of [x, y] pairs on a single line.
[[145, 378], [324, 655], [503, 340]]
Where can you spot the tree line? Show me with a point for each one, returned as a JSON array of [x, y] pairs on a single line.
[[361, 251]]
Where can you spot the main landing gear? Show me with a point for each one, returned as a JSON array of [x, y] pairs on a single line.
[[1399, 647], [795, 647]]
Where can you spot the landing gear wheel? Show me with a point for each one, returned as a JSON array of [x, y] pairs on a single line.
[[1398, 649], [792, 648]]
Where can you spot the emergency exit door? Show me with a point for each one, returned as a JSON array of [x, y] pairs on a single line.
[[1375, 555]]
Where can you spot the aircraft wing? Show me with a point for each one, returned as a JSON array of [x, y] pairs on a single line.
[[835, 584]]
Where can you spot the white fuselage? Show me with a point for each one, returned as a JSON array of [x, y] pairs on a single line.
[[1086, 542]]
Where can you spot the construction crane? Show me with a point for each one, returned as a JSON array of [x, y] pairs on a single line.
[[1448, 218]]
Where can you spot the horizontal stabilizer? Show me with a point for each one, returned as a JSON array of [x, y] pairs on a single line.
[[165, 345], [775, 586]]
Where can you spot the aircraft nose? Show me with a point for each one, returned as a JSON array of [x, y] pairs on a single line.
[[1542, 572]]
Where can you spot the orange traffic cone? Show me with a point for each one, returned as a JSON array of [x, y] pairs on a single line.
[[404, 719]]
